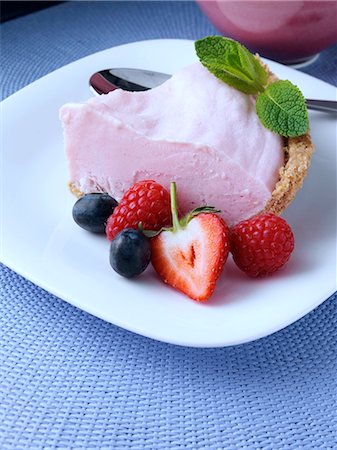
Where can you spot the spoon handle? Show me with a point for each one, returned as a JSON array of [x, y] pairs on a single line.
[[140, 80], [322, 105]]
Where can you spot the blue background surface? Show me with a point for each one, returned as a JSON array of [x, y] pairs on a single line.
[[70, 380]]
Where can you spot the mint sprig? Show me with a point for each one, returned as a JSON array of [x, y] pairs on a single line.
[[280, 105]]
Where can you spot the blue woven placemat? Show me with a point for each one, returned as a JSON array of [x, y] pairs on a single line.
[[70, 380]]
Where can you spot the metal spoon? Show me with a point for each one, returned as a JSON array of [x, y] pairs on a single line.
[[141, 80]]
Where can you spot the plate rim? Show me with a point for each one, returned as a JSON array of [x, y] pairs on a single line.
[[147, 41]]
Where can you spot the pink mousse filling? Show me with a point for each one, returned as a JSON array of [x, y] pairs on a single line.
[[193, 129]]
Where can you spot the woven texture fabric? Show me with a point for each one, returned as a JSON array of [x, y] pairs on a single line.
[[70, 380]]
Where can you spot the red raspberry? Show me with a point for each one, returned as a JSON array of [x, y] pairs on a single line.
[[147, 202], [261, 244]]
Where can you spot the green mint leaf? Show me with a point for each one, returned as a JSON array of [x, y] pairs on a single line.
[[282, 109], [232, 63]]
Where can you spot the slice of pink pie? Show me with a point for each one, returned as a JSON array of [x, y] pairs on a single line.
[[193, 129]]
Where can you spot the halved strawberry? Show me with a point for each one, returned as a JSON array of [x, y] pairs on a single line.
[[191, 255]]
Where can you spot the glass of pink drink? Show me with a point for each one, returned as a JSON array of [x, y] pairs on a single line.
[[288, 31]]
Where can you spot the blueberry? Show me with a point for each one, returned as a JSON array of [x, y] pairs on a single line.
[[130, 253], [92, 211]]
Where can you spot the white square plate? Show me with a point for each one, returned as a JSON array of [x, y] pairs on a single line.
[[40, 241]]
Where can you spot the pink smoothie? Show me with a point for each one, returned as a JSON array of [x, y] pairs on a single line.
[[193, 129], [287, 31]]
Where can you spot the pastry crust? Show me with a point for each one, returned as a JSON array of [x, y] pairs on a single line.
[[74, 190], [297, 152]]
